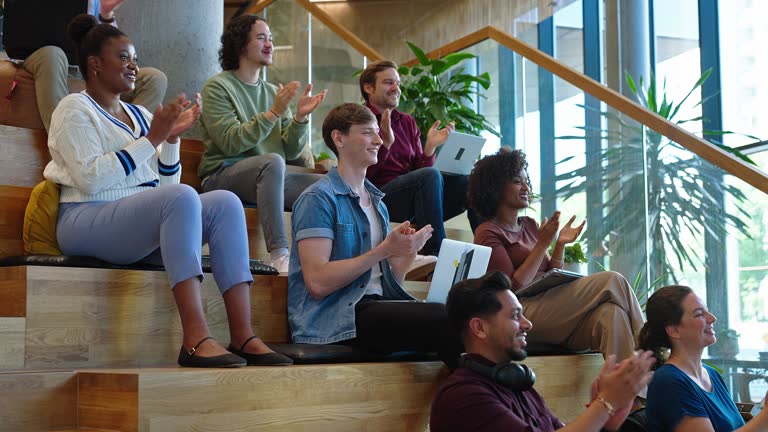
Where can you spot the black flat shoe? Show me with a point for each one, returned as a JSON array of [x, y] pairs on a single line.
[[268, 359], [188, 359]]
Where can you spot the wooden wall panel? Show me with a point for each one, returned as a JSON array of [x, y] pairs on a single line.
[[38, 401], [79, 318], [431, 23], [13, 291], [349, 397], [342, 397], [191, 154], [12, 343], [23, 156], [13, 202], [564, 381], [108, 401]]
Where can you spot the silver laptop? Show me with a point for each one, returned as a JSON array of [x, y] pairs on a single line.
[[457, 261], [459, 153]]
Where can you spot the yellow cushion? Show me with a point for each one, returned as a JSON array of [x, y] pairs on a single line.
[[40, 220]]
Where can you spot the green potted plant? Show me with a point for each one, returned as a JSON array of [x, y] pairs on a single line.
[[574, 257], [438, 89]]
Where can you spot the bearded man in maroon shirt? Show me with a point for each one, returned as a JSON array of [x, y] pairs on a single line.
[[490, 393], [415, 190]]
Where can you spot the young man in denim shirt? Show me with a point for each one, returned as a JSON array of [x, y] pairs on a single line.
[[347, 267]]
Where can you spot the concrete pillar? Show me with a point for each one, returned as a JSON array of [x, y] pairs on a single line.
[[627, 42], [634, 31], [628, 50], [179, 37]]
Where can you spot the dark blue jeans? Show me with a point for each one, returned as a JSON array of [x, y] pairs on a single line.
[[426, 196]]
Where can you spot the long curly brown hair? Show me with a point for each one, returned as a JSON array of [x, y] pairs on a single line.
[[234, 40], [489, 178]]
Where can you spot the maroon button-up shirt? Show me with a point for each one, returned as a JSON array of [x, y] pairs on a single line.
[[405, 154]]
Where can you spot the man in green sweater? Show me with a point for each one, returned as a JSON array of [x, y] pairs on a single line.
[[249, 131]]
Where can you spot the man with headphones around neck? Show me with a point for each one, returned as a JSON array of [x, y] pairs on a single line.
[[489, 392]]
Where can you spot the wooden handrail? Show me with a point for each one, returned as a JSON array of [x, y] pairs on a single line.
[[457, 45], [340, 30], [258, 6], [726, 161]]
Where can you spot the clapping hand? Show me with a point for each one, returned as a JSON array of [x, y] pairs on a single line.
[[548, 229], [437, 137], [569, 233], [308, 103], [164, 121], [619, 384], [385, 126], [284, 96], [187, 118], [406, 241]]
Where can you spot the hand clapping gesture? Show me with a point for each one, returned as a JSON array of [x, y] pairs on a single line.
[[548, 229], [308, 103], [284, 96], [406, 241], [569, 233], [385, 127], [172, 119], [437, 137]]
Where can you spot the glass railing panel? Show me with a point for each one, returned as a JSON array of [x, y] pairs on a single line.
[[677, 55], [607, 194], [306, 50], [722, 225], [334, 63], [289, 23]]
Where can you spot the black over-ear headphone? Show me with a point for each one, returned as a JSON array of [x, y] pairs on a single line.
[[516, 377]]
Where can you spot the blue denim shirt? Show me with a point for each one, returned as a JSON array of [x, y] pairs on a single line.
[[330, 209]]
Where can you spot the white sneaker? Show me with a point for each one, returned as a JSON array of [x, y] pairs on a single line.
[[282, 264], [421, 261]]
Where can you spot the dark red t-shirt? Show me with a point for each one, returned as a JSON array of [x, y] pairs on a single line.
[[510, 249], [404, 155], [469, 402]]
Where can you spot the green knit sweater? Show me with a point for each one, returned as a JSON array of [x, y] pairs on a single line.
[[235, 127]]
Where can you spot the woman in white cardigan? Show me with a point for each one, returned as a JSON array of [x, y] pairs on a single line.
[[121, 201]]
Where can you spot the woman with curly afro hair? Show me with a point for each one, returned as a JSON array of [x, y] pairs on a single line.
[[597, 312]]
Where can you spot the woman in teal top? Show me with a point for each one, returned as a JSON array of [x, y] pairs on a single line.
[[686, 395]]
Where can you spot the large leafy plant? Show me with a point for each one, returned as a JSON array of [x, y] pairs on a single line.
[[684, 192], [439, 89]]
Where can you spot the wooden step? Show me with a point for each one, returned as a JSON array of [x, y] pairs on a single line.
[[56, 317], [350, 397], [38, 400]]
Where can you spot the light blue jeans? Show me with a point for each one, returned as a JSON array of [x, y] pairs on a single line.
[[167, 225]]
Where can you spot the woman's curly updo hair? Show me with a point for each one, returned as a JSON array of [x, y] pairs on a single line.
[[489, 178], [89, 37], [234, 40], [664, 308]]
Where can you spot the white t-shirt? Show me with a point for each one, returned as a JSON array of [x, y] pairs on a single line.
[[374, 286]]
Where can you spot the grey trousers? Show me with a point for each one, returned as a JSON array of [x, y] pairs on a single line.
[[597, 312], [49, 67], [166, 225], [264, 180]]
